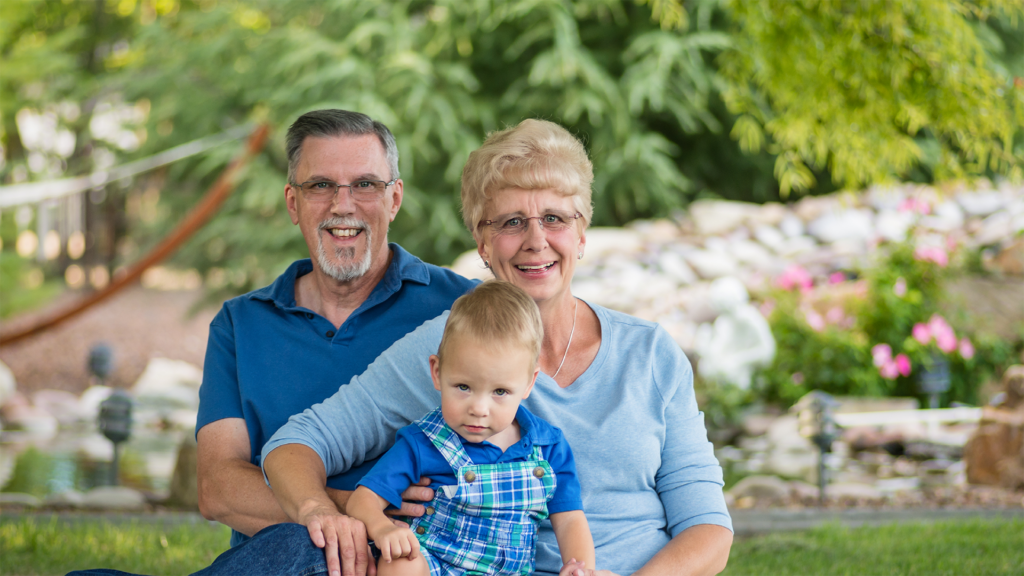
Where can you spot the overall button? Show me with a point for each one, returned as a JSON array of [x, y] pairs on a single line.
[[430, 510], [421, 530], [538, 472], [470, 476], [330, 333], [309, 315]]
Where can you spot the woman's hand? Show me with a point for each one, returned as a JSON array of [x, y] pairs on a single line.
[[574, 568], [342, 538]]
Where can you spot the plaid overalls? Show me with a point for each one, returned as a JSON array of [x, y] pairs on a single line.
[[486, 524]]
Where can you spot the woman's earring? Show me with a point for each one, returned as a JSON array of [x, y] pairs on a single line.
[[487, 264], [580, 257]]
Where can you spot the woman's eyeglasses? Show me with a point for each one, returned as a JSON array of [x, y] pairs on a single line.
[[515, 224]]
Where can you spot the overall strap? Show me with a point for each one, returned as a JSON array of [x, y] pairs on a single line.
[[444, 439]]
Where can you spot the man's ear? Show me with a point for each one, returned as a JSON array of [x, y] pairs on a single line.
[[291, 203], [435, 371], [533, 380], [397, 193]]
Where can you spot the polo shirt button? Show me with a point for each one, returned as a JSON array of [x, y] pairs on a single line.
[[470, 476], [421, 530], [430, 510], [309, 315], [330, 333], [538, 472]]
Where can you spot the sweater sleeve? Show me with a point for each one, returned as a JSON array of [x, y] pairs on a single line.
[[360, 420], [689, 481]]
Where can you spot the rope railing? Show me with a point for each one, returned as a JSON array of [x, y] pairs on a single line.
[[193, 221]]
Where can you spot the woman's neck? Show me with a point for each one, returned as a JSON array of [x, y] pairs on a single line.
[[559, 318]]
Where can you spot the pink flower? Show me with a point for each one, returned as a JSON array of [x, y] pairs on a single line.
[[836, 278], [900, 288], [889, 370], [766, 308], [914, 205], [966, 349], [932, 254], [798, 378], [814, 320], [945, 338], [834, 315], [921, 333], [795, 277], [881, 353], [903, 364]]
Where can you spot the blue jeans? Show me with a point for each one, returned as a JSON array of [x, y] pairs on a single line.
[[284, 549]]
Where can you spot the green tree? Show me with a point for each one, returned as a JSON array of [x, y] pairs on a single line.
[[441, 76], [872, 90]]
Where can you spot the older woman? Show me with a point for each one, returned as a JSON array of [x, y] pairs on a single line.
[[619, 387]]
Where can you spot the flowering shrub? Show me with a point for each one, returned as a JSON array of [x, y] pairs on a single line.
[[875, 335]]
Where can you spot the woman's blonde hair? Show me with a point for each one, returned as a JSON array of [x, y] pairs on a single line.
[[495, 311], [534, 155]]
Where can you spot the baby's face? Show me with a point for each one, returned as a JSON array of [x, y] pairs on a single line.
[[481, 385]]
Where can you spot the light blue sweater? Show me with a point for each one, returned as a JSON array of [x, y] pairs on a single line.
[[645, 465]]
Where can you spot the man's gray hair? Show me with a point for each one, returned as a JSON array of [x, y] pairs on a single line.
[[332, 123]]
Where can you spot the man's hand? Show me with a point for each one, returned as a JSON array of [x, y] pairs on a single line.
[[418, 492], [396, 542], [343, 540]]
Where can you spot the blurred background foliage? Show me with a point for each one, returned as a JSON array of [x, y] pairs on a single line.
[[755, 100]]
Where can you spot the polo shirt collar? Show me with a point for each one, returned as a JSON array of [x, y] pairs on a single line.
[[403, 266], [531, 427]]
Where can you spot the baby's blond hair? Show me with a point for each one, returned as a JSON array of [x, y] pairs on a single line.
[[495, 311]]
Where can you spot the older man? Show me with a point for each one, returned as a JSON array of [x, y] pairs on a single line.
[[278, 350]]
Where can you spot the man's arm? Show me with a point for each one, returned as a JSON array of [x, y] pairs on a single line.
[[232, 491]]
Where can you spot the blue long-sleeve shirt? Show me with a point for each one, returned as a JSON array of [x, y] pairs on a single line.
[[646, 468]]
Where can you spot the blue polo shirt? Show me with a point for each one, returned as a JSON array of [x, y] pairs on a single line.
[[414, 456], [268, 358]]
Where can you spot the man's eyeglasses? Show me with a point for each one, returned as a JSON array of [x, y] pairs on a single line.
[[324, 190], [515, 224]]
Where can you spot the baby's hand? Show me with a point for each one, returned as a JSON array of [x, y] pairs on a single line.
[[396, 542], [574, 568]]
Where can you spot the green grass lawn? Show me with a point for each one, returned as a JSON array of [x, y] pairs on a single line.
[[40, 546], [953, 548], [976, 547]]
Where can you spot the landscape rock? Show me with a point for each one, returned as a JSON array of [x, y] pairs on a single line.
[[113, 498], [719, 216], [854, 491], [7, 384], [62, 405], [995, 453], [19, 499], [65, 499], [18, 413], [168, 384], [761, 488], [855, 223], [184, 491]]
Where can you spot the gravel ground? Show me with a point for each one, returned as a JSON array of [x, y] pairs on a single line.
[[137, 323]]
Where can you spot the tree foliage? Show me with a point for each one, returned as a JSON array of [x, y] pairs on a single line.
[[855, 92], [440, 76], [871, 90]]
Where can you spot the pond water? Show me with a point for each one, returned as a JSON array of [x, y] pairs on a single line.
[[81, 459]]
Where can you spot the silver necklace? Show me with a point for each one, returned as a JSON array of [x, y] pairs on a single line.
[[569, 343]]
